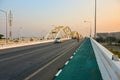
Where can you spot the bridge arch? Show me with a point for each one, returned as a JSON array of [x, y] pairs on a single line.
[[76, 35], [61, 32]]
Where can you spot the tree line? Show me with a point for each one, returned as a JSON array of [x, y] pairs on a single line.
[[110, 40]]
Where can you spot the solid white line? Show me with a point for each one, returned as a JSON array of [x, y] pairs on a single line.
[[58, 72]]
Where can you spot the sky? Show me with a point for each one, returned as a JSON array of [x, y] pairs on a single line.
[[35, 18]]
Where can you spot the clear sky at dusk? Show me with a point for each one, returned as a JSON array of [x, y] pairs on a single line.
[[36, 17]]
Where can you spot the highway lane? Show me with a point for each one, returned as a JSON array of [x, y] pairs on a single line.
[[19, 63]]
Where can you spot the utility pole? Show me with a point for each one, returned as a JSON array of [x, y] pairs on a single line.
[[10, 25], [95, 35]]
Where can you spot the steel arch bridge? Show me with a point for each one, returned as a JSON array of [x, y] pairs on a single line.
[[61, 32], [76, 34]]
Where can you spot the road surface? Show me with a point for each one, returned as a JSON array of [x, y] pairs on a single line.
[[83, 65], [36, 62]]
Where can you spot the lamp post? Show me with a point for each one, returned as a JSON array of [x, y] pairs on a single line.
[[19, 33], [90, 26], [95, 35], [6, 25]]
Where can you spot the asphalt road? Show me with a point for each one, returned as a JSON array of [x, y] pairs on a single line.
[[36, 62]]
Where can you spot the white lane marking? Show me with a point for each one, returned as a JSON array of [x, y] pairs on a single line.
[[40, 69], [66, 62], [71, 57], [58, 72], [74, 53]]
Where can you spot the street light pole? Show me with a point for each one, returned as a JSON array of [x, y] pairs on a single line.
[[90, 29], [6, 25], [90, 26], [19, 33], [95, 35]]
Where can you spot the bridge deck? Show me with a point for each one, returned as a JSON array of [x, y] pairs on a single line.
[[83, 65]]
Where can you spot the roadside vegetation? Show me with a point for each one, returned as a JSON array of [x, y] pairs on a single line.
[[1, 36], [115, 52], [110, 41]]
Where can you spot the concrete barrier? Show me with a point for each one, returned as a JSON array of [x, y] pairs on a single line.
[[20, 44], [110, 69]]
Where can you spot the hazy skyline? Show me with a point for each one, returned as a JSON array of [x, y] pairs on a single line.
[[36, 17]]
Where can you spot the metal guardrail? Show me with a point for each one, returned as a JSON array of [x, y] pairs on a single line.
[[109, 68]]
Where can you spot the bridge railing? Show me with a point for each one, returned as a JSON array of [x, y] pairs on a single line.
[[110, 69]]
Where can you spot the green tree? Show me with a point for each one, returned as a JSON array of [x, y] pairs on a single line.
[[1, 36]]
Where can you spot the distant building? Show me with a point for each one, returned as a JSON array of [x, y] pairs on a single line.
[[112, 34]]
